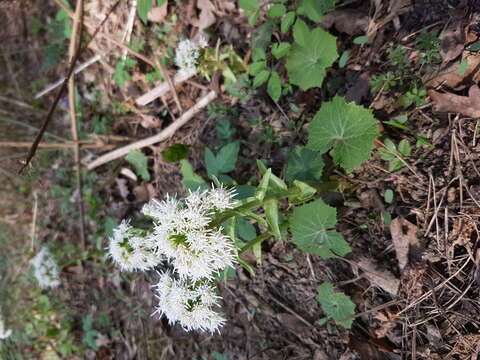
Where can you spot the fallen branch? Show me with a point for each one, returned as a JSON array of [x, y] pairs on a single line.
[[163, 88], [166, 133]]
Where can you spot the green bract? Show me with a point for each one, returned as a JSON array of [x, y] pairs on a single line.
[[337, 306], [348, 129], [313, 230], [311, 54]]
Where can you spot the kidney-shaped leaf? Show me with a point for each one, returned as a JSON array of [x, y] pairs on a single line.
[[313, 230], [310, 55], [349, 129]]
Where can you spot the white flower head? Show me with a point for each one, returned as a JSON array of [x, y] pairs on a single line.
[[45, 269], [3, 332], [188, 303], [182, 233], [132, 251], [187, 54]]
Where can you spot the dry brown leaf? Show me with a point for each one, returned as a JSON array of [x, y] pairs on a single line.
[[382, 279], [453, 40], [351, 22], [451, 103], [387, 320], [207, 15], [158, 14], [451, 77], [404, 238]]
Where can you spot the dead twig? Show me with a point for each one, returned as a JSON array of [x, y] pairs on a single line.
[[74, 48], [166, 133]]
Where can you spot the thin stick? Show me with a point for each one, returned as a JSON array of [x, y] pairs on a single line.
[[163, 135], [16, 102], [56, 145], [158, 91], [74, 48], [77, 70]]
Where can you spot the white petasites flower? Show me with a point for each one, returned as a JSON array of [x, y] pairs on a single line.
[[3, 332], [187, 54], [45, 269], [182, 233], [188, 303], [131, 251]]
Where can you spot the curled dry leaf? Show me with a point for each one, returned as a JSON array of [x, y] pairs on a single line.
[[158, 14], [405, 241], [451, 103], [207, 15], [451, 77], [382, 279]]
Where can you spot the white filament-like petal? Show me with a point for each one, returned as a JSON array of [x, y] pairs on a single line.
[[132, 252]]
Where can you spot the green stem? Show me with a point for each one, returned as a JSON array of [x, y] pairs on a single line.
[[251, 205], [260, 238]]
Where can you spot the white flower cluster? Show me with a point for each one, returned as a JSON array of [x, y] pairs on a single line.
[[45, 269], [182, 235], [4, 333], [187, 54], [188, 303]]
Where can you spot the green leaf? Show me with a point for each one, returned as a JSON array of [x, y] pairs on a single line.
[[191, 181], [259, 54], [315, 9], [263, 186], [349, 129], [271, 213], [224, 162], [160, 2], [245, 229], [404, 148], [388, 196], [336, 305], [287, 21], [139, 162], [402, 119], [307, 64], [262, 36], [143, 8], [301, 32], [175, 153], [360, 40], [261, 78], [249, 5], [344, 59], [304, 165], [280, 49], [274, 88], [244, 191], [306, 192], [312, 227], [475, 46], [462, 69], [257, 66], [276, 10]]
